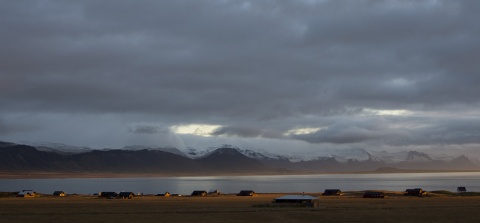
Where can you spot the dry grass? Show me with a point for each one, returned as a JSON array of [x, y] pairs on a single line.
[[229, 208]]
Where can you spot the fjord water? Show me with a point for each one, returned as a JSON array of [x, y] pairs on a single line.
[[261, 184]]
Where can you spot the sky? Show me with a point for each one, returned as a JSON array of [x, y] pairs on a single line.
[[282, 76]]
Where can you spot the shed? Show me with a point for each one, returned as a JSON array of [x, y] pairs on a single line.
[[332, 192], [59, 193], [247, 193], [126, 195], [107, 195], [461, 189], [300, 200], [415, 192], [199, 193], [373, 194]]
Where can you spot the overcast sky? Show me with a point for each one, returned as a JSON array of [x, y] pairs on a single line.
[[299, 75]]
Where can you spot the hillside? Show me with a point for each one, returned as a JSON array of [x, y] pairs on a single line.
[[23, 158]]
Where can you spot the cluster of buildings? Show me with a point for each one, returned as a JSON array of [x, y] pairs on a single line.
[[298, 200]]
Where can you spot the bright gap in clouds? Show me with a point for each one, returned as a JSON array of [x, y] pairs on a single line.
[[195, 129], [399, 112], [302, 131]]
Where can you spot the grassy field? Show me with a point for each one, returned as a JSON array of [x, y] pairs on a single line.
[[440, 207]]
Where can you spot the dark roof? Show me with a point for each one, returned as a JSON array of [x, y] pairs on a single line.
[[415, 192], [126, 194], [246, 193], [199, 193], [415, 189], [58, 192], [108, 194], [331, 192]]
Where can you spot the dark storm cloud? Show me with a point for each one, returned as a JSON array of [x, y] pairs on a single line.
[[345, 132], [257, 68], [416, 131], [243, 131], [145, 129]]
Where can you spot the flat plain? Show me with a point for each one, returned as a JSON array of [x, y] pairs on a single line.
[[230, 208]]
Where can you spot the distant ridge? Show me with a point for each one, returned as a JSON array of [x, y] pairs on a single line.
[[224, 160]]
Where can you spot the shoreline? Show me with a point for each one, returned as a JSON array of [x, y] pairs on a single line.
[[61, 175]]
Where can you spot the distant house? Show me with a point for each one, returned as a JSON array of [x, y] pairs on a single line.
[[373, 194], [297, 200], [415, 192], [247, 193], [461, 189], [166, 194], [59, 193], [213, 192], [126, 195], [199, 193], [27, 193], [107, 195], [332, 192]]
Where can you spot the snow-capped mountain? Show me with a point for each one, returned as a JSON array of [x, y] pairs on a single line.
[[403, 156], [58, 147], [225, 157], [344, 155], [197, 153], [357, 154], [339, 155], [69, 149]]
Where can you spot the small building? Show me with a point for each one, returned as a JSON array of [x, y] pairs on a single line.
[[247, 193], [126, 195], [213, 192], [59, 193], [108, 195], [201, 193], [332, 192], [166, 194], [415, 192], [297, 200], [461, 189], [27, 193], [373, 194]]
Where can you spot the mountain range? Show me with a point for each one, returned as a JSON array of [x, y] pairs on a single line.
[[59, 158]]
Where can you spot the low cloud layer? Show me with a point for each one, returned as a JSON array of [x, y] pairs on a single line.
[[83, 72]]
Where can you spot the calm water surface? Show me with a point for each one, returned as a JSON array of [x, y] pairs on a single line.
[[261, 184]]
